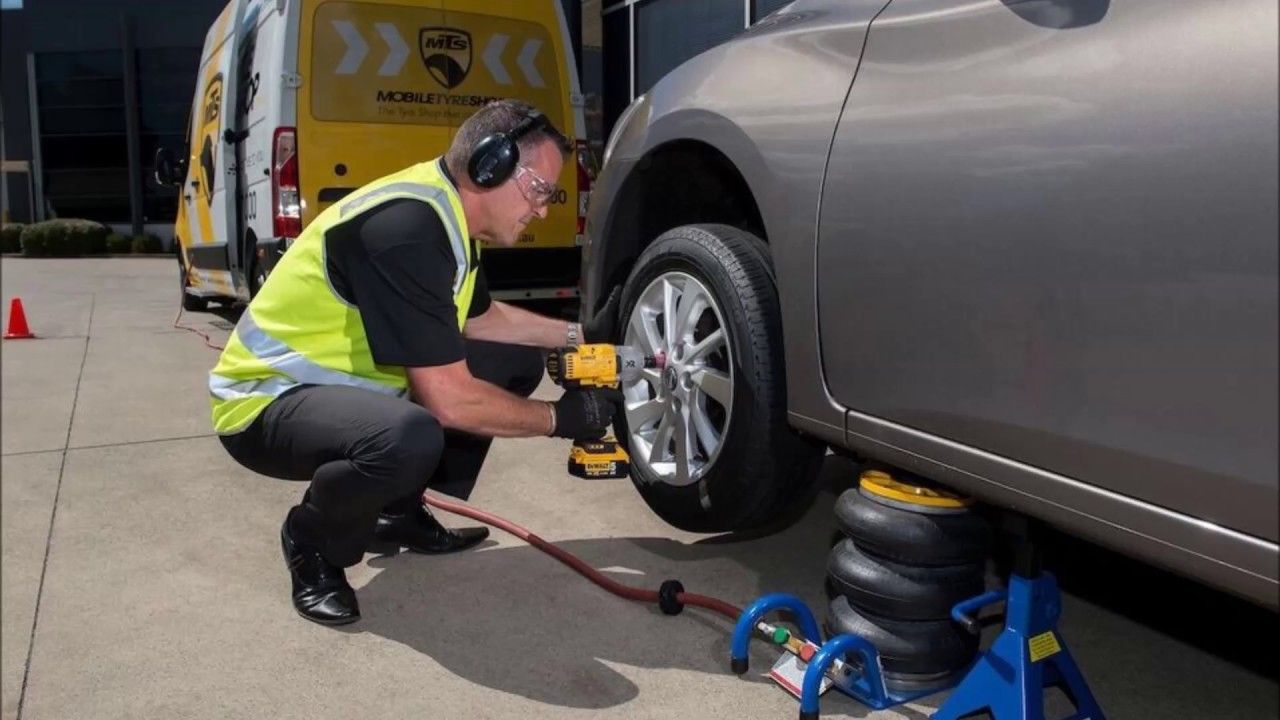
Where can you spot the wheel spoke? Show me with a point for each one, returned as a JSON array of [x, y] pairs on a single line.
[[643, 414], [684, 446], [707, 434], [669, 296], [654, 377], [706, 346], [715, 384], [662, 438], [692, 303], [640, 447], [645, 331]]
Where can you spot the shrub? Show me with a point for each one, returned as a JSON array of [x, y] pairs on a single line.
[[147, 244], [118, 244], [87, 237], [10, 238], [64, 238]]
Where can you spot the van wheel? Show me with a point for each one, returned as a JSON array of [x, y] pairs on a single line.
[[711, 449], [257, 276], [192, 303]]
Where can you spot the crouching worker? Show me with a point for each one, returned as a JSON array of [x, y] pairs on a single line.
[[373, 364]]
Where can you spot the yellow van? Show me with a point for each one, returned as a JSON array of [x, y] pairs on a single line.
[[299, 102]]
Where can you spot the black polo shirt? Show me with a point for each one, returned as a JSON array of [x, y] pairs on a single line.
[[396, 264]]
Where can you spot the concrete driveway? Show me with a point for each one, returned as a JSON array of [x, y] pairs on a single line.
[[142, 575]]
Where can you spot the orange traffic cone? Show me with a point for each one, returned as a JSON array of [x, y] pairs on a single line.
[[18, 329]]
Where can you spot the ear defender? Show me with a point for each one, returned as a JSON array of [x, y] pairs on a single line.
[[495, 158]]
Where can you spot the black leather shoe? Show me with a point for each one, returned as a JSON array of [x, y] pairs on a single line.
[[320, 590], [420, 532]]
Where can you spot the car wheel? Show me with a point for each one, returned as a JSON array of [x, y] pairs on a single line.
[[711, 450]]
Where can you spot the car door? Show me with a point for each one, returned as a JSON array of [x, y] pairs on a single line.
[[1048, 233]]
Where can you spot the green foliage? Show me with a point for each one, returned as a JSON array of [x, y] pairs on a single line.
[[118, 244], [11, 238], [147, 244], [64, 238]]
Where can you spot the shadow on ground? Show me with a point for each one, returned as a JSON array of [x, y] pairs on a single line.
[[557, 639]]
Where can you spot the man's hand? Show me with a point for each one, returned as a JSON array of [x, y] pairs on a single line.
[[600, 328], [585, 414]]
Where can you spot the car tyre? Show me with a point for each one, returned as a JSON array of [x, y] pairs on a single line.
[[760, 466]]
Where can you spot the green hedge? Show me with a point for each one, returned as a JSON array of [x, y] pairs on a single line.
[[64, 238], [11, 238], [118, 244], [147, 244]]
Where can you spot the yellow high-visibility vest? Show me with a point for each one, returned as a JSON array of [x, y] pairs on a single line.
[[299, 331]]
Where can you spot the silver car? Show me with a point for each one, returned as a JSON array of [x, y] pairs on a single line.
[[1024, 249]]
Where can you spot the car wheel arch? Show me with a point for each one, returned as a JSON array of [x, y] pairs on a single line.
[[679, 182]]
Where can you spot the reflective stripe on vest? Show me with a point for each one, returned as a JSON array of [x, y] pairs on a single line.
[[277, 355], [299, 331]]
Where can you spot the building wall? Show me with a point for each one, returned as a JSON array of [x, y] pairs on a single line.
[[13, 109], [82, 79], [666, 33], [82, 82]]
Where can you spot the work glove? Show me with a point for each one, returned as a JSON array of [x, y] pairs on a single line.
[[585, 414], [599, 329]]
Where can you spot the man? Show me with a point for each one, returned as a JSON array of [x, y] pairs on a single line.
[[373, 362]]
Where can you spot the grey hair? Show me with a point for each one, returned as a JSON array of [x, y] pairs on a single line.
[[496, 117]]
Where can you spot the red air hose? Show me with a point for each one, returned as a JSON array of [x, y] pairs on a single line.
[[671, 598]]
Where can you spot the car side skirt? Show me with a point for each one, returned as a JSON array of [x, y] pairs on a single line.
[[1221, 557]]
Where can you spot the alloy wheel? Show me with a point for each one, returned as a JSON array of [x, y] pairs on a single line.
[[678, 416]]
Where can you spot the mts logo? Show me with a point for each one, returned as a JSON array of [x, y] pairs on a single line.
[[446, 51], [446, 41]]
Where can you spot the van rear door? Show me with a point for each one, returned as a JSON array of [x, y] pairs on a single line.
[[360, 61], [387, 85], [518, 49]]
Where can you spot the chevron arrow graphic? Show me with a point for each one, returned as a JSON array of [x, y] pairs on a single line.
[[492, 58], [357, 48], [399, 51], [525, 62]]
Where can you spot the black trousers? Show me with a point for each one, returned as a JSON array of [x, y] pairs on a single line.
[[367, 453]]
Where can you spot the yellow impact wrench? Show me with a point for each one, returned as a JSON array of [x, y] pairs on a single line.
[[599, 365]]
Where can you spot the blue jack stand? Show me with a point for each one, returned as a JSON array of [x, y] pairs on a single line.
[[865, 684], [1009, 679]]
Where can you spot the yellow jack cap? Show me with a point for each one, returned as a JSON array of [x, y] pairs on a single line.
[[881, 483]]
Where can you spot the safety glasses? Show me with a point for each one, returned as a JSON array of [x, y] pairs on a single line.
[[536, 190]]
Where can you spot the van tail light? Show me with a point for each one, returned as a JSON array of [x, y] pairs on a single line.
[[584, 186], [286, 200]]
